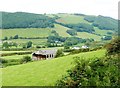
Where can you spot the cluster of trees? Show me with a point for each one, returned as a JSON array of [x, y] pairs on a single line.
[[7, 45], [70, 41], [106, 38], [103, 23], [28, 45], [25, 20], [90, 18], [80, 27], [54, 39], [11, 37], [72, 32]]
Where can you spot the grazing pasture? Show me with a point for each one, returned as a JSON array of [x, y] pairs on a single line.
[[71, 19], [43, 73]]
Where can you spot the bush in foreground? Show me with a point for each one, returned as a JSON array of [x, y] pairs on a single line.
[[92, 72]]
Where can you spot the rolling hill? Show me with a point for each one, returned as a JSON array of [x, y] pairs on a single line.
[[42, 73], [35, 26]]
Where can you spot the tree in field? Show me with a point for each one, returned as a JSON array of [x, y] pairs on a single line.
[[29, 44], [26, 59], [59, 53], [5, 45], [16, 37], [5, 38]]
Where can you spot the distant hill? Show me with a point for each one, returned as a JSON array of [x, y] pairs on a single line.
[[25, 20], [31, 20], [65, 25]]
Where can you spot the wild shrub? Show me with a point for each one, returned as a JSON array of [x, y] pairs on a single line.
[[113, 47], [92, 72], [26, 59], [59, 53]]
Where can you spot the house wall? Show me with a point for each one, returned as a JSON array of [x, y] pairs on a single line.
[[42, 57]]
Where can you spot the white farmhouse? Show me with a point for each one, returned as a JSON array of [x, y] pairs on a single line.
[[84, 47]]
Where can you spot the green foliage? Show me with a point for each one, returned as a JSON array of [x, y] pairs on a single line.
[[16, 37], [72, 32], [80, 27], [25, 20], [75, 40], [113, 47], [92, 72], [90, 18], [106, 23], [55, 38], [106, 38], [66, 47], [5, 38], [5, 45], [29, 44], [71, 41], [103, 23], [9, 62], [59, 53], [26, 59], [79, 51]]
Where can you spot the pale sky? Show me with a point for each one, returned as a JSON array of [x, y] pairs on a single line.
[[88, 7]]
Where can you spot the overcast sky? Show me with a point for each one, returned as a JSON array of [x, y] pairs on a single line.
[[88, 7]]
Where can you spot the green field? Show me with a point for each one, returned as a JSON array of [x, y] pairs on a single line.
[[61, 30], [71, 19], [101, 32], [42, 73], [16, 56], [85, 35], [27, 32]]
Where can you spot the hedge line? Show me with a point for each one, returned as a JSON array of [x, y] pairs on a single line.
[[15, 53]]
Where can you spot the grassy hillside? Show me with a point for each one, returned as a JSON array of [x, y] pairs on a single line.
[[71, 19], [61, 30], [27, 32], [42, 73], [84, 26], [85, 35]]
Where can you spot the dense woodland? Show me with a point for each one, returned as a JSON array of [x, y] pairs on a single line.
[[25, 20]]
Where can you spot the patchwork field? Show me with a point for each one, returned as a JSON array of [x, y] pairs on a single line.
[[101, 32], [27, 32], [39, 73], [85, 35], [71, 19], [61, 30]]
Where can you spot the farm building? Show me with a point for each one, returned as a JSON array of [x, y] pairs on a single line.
[[84, 47], [76, 48], [43, 54]]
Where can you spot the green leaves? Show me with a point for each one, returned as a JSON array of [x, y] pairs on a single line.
[[92, 72]]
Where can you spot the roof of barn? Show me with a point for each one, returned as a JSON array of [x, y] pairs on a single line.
[[45, 52]]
